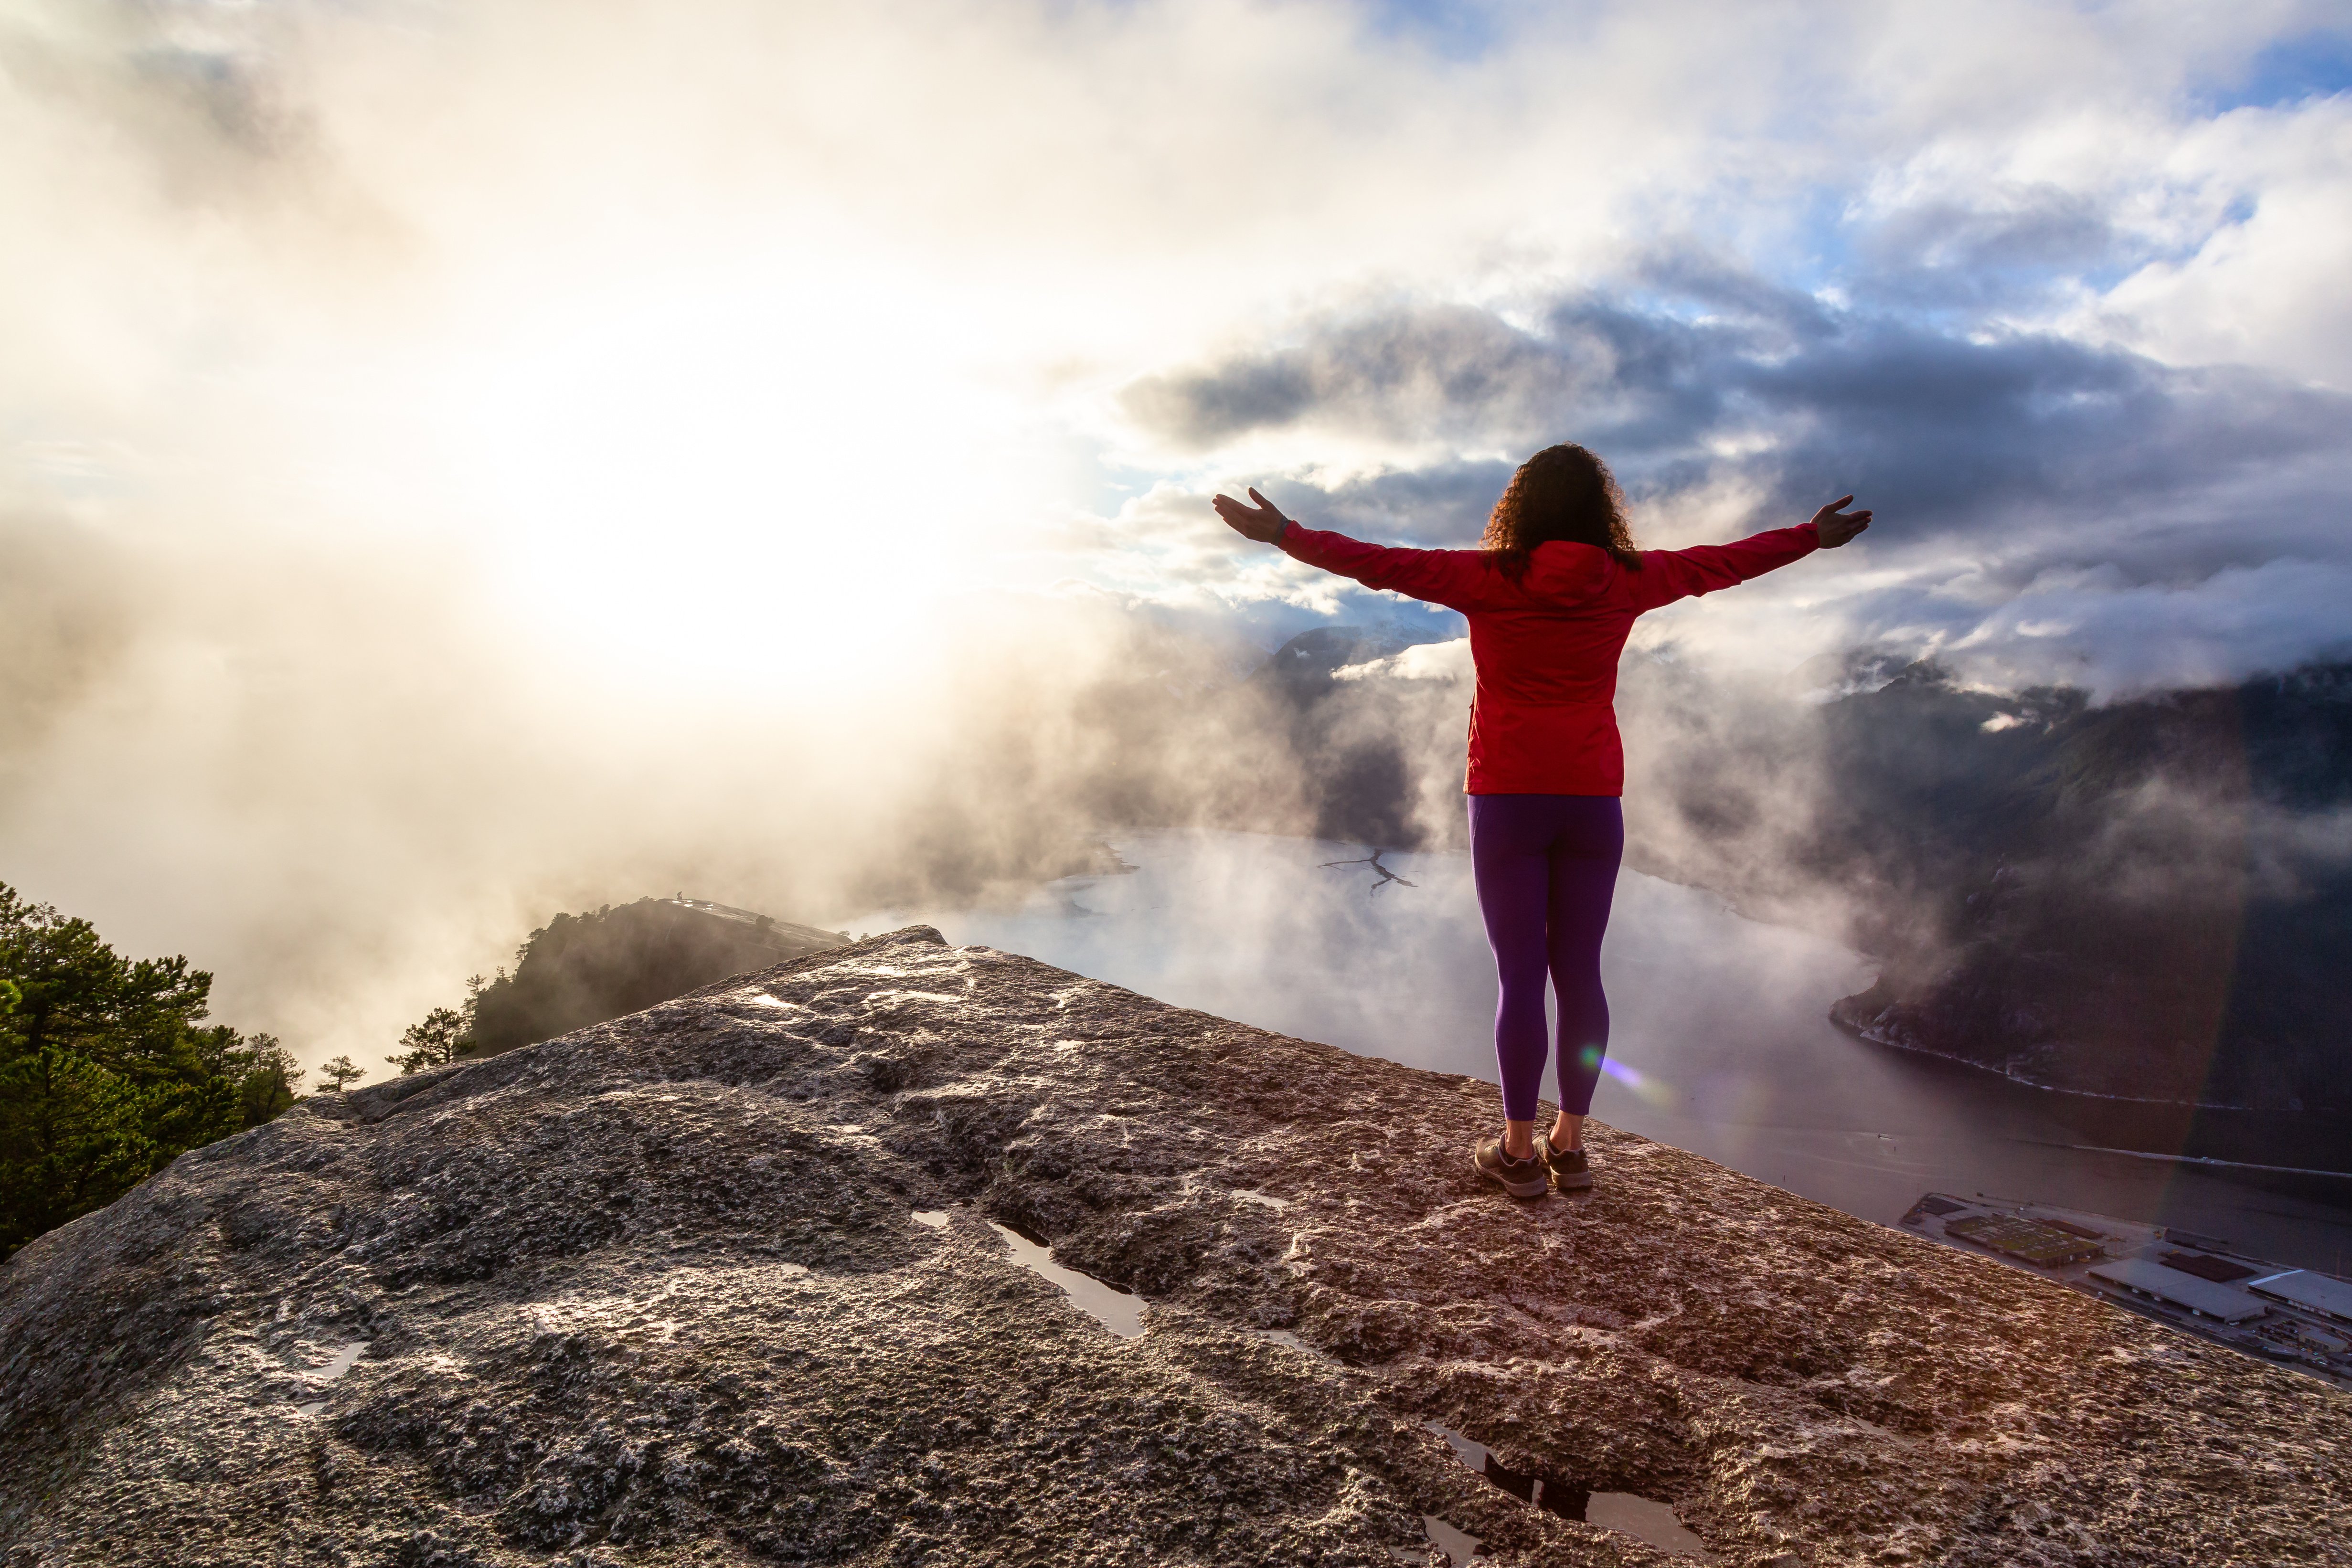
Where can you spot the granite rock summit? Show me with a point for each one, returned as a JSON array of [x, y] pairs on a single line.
[[656, 1292]]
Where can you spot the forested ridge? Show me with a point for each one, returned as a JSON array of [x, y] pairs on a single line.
[[580, 969], [109, 1070]]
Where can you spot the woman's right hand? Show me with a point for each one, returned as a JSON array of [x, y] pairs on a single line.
[[1834, 527], [1260, 522]]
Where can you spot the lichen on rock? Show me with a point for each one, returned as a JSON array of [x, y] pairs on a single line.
[[655, 1293]]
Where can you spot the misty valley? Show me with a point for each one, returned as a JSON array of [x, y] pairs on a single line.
[[1881, 932], [2147, 899]]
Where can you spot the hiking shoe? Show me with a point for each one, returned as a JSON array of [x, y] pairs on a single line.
[[1520, 1178], [1569, 1172]]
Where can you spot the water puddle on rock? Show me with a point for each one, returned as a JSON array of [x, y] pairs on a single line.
[[1117, 1310], [1646, 1520], [1121, 1311], [341, 1362], [1639, 1517], [1459, 1545]]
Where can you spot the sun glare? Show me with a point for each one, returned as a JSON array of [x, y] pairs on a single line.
[[742, 473]]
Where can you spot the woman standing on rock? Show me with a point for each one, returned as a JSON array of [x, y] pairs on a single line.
[[1551, 596]]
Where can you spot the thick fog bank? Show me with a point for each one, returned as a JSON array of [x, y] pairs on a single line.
[[342, 787]]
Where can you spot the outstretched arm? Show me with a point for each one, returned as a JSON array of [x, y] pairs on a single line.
[[1459, 579], [1667, 575]]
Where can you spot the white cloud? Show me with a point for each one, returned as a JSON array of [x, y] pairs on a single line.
[[1447, 662], [2262, 283]]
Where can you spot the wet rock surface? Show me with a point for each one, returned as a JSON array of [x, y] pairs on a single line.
[[654, 1292]]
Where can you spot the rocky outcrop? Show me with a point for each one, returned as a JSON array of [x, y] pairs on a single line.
[[656, 1292], [583, 969]]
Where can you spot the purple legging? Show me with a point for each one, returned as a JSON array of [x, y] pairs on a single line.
[[1546, 866]]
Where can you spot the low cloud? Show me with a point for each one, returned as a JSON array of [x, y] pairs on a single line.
[[1449, 371], [66, 617], [2049, 509]]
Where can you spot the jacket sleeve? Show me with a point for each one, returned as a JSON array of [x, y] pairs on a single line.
[[1457, 578], [1667, 575]]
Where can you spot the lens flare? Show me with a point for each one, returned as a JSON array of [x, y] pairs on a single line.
[[1646, 1087]]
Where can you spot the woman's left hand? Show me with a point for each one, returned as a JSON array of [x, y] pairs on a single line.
[[1262, 522]]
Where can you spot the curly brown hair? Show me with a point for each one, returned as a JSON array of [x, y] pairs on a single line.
[[1562, 493]]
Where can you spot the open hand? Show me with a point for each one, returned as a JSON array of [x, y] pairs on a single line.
[[1262, 522], [1834, 527]]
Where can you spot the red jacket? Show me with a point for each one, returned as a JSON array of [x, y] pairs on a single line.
[[1544, 721]]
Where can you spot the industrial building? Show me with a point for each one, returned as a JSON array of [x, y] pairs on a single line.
[[2321, 1294], [2198, 1284], [2174, 1287], [2032, 1240]]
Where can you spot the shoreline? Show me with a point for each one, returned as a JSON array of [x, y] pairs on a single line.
[[2092, 1101], [1868, 1033], [2206, 1160]]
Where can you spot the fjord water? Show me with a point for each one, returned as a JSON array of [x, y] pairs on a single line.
[[1720, 1043]]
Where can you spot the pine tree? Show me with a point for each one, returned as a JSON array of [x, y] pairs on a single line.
[[272, 1079], [336, 1072], [106, 1072], [431, 1043], [445, 1035]]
